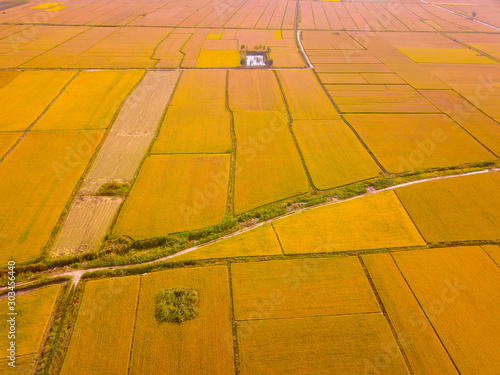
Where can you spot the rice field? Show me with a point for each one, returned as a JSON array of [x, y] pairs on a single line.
[[300, 288], [348, 344], [24, 98], [299, 250], [305, 97], [371, 222], [403, 142], [86, 225], [259, 241], [458, 209], [175, 193], [90, 101], [268, 165], [418, 339], [454, 288], [132, 132], [34, 310], [198, 107], [31, 206], [107, 311], [202, 345], [333, 154]]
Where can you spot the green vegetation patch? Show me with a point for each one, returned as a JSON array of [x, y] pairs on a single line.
[[114, 188], [176, 305]]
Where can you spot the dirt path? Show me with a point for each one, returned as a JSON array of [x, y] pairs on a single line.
[[77, 274]]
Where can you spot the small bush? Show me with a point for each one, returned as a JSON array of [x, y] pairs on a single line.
[[114, 188], [176, 305]]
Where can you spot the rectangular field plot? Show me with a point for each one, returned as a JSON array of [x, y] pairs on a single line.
[[333, 154], [203, 345], [258, 241], [305, 96], [38, 178], [268, 165], [107, 311], [209, 58], [347, 345], [175, 193], [197, 120], [420, 343], [254, 90], [369, 222], [445, 55], [90, 101], [24, 98], [456, 288], [455, 209], [34, 309], [403, 142], [84, 228], [395, 98], [300, 288]]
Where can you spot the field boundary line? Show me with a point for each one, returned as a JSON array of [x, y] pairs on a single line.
[[278, 238], [425, 314], [234, 327], [28, 129], [290, 122], [313, 316], [135, 323], [234, 148], [341, 115], [409, 216], [385, 314], [461, 15]]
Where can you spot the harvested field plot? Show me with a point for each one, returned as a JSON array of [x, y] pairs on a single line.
[[268, 165], [197, 120], [90, 101], [347, 345], [24, 98], [333, 154], [306, 99], [34, 310], [371, 222], [403, 142], [107, 312], [175, 193], [300, 288], [132, 132], [85, 226], [203, 345], [38, 178], [7, 140], [456, 289], [420, 343], [455, 209], [254, 90], [258, 241]]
